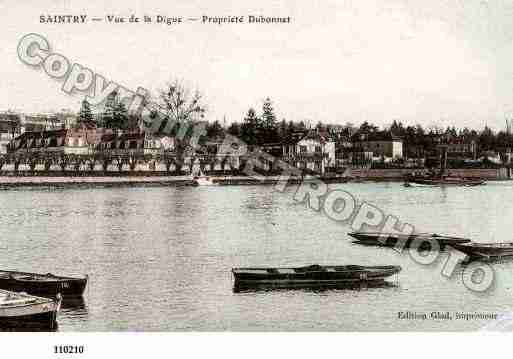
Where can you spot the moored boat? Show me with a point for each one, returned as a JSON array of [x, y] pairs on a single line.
[[485, 250], [413, 181], [313, 275], [403, 240], [200, 179], [42, 284], [21, 310], [204, 181], [442, 178]]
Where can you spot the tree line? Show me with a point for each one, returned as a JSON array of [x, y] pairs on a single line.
[[264, 127]]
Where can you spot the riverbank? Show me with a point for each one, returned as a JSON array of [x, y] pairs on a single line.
[[61, 179], [371, 174], [54, 181]]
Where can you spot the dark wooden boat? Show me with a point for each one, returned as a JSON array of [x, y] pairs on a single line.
[[404, 241], [486, 250], [313, 275], [42, 284], [21, 310]]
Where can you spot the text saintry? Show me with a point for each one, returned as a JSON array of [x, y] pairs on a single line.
[[62, 19]]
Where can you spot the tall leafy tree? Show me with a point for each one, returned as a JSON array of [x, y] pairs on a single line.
[[120, 115], [234, 129], [487, 139], [270, 128], [251, 127], [85, 114], [283, 130], [115, 114], [109, 110], [367, 127], [214, 130], [185, 107]]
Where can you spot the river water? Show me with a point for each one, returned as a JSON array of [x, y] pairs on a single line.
[[159, 258]]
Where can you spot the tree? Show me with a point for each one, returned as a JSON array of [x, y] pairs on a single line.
[[420, 130], [133, 121], [120, 116], [182, 104], [115, 114], [214, 130], [270, 133], [184, 107], [85, 115], [486, 139], [291, 127], [251, 128], [234, 129], [397, 128], [108, 110], [268, 117], [283, 130], [367, 127]]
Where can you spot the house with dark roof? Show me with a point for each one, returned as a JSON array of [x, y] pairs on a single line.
[[86, 139], [122, 143]]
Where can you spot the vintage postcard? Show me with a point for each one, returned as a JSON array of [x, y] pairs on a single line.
[[186, 166]]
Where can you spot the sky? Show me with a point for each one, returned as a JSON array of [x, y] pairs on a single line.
[[436, 63]]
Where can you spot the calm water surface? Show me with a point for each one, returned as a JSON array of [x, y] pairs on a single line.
[[159, 259]]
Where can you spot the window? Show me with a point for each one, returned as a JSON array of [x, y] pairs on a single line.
[[133, 144], [318, 149], [302, 149]]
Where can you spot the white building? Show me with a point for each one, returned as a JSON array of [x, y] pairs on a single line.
[[311, 151]]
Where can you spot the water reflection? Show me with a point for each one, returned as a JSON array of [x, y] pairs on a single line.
[[74, 303], [314, 288], [28, 327]]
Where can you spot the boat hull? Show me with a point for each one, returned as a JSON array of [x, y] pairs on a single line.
[[486, 250], [42, 284], [404, 241], [30, 312], [331, 276], [434, 182]]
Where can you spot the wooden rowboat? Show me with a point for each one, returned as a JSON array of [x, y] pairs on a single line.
[[485, 250], [42, 284], [20, 310], [313, 275], [404, 240]]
